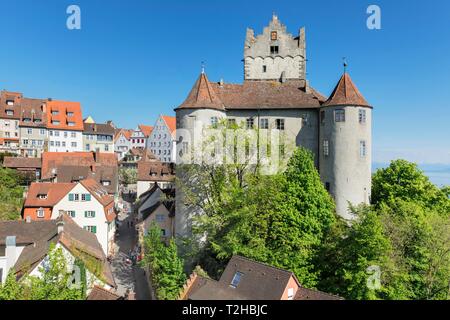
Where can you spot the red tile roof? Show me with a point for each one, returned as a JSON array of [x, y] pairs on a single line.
[[146, 130], [171, 123], [346, 93], [54, 192], [266, 94], [64, 108], [52, 160], [202, 96]]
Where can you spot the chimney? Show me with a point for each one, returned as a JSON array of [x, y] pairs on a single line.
[[60, 226], [11, 253]]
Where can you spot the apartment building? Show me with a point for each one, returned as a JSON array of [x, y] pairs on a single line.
[[9, 121], [98, 137], [140, 135], [122, 142], [65, 126], [162, 141]]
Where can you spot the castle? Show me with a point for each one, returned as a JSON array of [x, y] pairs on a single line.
[[276, 95]]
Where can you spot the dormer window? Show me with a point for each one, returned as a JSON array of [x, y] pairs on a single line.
[[10, 102], [236, 279], [70, 114], [9, 112], [71, 124], [55, 122], [42, 196], [26, 120], [37, 120], [55, 113], [273, 49]]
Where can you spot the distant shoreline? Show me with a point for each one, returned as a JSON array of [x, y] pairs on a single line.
[[439, 174]]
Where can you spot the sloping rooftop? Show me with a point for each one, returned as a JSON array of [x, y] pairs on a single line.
[[64, 115], [155, 171], [53, 193], [346, 93], [171, 123], [98, 293], [202, 96], [146, 130], [75, 166], [38, 235], [22, 163], [265, 94], [98, 128]]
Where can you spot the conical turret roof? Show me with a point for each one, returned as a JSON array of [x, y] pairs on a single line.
[[346, 93], [202, 96]]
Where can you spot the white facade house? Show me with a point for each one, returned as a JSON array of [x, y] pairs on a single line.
[[27, 243], [88, 205], [122, 143], [65, 141], [139, 136], [162, 141]]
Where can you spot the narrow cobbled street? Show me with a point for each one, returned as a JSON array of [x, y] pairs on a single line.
[[128, 277]]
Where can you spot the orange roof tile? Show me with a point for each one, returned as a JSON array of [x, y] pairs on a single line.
[[346, 93], [54, 193], [202, 95], [171, 123], [54, 159], [146, 130], [64, 108]]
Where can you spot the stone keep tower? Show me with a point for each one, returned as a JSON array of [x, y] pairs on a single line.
[[345, 146], [192, 116], [275, 54]]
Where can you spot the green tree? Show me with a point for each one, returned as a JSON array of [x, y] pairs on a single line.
[[303, 217], [350, 253], [11, 194], [53, 283], [11, 289], [403, 180], [166, 267]]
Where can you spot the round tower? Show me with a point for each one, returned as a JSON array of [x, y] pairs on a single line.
[[345, 144], [201, 109]]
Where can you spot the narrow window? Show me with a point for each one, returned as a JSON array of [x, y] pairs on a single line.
[[362, 116], [339, 115], [273, 49], [264, 69], [40, 213], [326, 148], [214, 122], [264, 123], [327, 186], [231, 123], [250, 123], [362, 149], [280, 124], [322, 117]]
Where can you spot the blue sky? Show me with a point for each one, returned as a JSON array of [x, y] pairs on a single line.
[[133, 60]]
